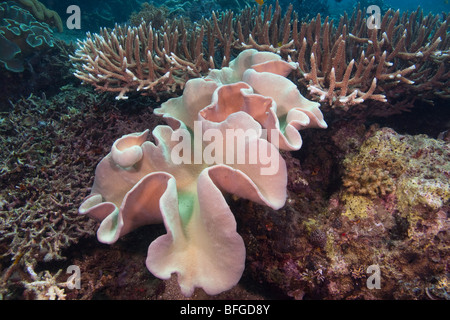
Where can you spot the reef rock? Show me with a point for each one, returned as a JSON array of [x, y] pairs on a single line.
[[382, 235]]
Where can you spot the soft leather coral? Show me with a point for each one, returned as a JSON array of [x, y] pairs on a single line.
[[140, 182]]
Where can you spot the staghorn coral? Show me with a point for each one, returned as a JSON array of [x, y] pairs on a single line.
[[140, 182], [350, 63], [44, 286], [141, 59], [342, 66], [21, 36]]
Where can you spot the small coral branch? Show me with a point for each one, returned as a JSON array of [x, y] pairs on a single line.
[[45, 286]]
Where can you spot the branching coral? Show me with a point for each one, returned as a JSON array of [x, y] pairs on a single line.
[[41, 175], [46, 286], [140, 59], [219, 120], [343, 65], [351, 63]]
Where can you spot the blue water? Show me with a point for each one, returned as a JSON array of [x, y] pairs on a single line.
[[436, 6], [120, 10]]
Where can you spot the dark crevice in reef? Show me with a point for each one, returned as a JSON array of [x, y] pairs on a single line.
[[424, 118]]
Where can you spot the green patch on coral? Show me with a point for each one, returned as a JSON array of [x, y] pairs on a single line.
[[186, 203]]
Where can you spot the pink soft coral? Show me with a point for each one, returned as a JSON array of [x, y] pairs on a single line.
[[141, 183]]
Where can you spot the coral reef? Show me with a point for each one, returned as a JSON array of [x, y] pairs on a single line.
[[359, 198], [150, 13], [318, 246], [195, 10], [36, 187], [49, 148], [46, 71], [321, 245]]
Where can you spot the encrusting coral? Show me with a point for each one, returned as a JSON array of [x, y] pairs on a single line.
[[389, 163], [319, 246], [372, 172], [141, 182]]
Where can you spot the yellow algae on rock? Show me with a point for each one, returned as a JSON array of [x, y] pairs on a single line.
[[356, 206]]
